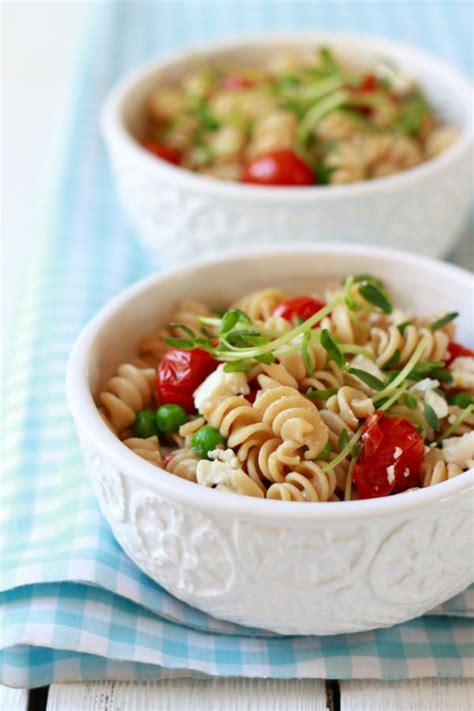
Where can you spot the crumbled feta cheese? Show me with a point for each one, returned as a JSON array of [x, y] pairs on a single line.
[[225, 455], [425, 388], [422, 386], [220, 384], [406, 473], [462, 370], [213, 472], [368, 365], [397, 453], [390, 473], [459, 450]]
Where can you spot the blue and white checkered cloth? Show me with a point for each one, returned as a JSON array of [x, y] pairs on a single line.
[[73, 605]]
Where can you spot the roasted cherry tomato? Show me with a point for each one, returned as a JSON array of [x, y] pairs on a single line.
[[391, 457], [298, 308], [167, 153], [281, 167], [368, 83], [456, 350], [233, 81], [180, 373]]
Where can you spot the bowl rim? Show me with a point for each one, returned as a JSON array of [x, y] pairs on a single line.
[[114, 131], [89, 421]]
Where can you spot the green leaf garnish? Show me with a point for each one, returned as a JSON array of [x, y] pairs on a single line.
[[183, 327], [324, 394], [367, 378], [394, 360], [355, 451], [305, 353], [266, 358], [324, 454], [343, 439], [332, 349], [431, 417], [369, 279], [239, 366], [461, 400], [231, 318], [375, 296], [410, 401], [444, 320], [180, 343]]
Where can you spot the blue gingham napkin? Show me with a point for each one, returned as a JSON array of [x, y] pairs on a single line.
[[73, 606]]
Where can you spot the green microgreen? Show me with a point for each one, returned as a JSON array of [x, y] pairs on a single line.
[[410, 401], [444, 320], [324, 454], [343, 454], [332, 349], [239, 366], [430, 416], [305, 353], [405, 372], [461, 400], [394, 360], [459, 419], [323, 394], [367, 378], [375, 296], [343, 439]]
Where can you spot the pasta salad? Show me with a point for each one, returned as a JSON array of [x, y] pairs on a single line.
[[295, 121], [319, 397]]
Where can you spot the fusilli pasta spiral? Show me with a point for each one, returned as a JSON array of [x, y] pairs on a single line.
[[125, 394]]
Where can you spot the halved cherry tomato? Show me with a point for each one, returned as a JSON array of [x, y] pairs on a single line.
[[180, 373], [281, 167], [378, 470], [299, 307], [456, 350], [233, 81], [167, 153], [368, 83]]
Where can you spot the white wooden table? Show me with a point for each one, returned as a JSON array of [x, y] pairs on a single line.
[[245, 695], [36, 73]]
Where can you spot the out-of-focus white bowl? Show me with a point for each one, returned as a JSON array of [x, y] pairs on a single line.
[[295, 568], [181, 215]]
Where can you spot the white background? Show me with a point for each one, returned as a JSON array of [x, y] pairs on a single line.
[[39, 43]]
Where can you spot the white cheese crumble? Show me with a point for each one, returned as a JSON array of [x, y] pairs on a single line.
[[406, 473], [425, 388], [220, 384], [219, 470], [462, 370], [459, 450], [390, 473], [397, 453]]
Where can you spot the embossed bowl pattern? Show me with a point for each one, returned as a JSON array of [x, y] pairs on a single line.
[[287, 567], [179, 214]]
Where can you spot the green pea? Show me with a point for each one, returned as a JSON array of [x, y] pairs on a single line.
[[144, 425], [206, 439], [169, 418]]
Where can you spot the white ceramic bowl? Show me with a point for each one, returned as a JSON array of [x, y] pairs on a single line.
[[181, 215], [319, 568]]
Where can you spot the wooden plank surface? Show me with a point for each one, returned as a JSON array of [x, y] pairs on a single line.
[[414, 695], [13, 699], [191, 695]]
